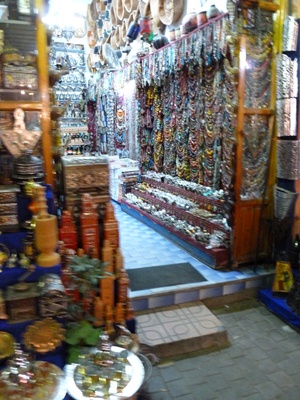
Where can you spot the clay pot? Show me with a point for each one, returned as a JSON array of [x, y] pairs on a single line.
[[189, 22], [201, 18], [159, 40], [212, 12]]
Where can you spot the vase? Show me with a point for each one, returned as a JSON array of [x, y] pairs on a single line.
[[189, 22], [159, 40], [201, 18], [212, 12]]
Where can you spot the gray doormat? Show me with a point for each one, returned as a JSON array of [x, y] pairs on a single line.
[[163, 275]]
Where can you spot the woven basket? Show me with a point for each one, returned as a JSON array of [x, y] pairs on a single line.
[[157, 24], [91, 22], [121, 11], [123, 30], [118, 37], [169, 15], [284, 202], [100, 6], [92, 40], [113, 17], [130, 5], [113, 41]]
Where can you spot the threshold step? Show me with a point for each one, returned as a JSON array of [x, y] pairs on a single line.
[[180, 329]]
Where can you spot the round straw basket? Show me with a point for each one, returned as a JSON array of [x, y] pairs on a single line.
[[157, 24], [91, 22], [170, 11], [113, 17], [100, 6], [113, 40], [123, 30], [121, 11], [118, 37], [130, 5]]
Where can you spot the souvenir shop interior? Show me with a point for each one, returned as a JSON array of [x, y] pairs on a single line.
[[183, 115]]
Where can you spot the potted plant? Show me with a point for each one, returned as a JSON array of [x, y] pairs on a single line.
[[85, 273]]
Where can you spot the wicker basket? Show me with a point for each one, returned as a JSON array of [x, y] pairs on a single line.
[[130, 5], [121, 11], [113, 17], [284, 202], [157, 24], [169, 12]]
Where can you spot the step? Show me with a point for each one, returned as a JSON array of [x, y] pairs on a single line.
[[178, 330], [146, 300]]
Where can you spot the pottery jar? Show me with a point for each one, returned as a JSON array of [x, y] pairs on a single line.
[[189, 22], [159, 40], [201, 18], [212, 12]]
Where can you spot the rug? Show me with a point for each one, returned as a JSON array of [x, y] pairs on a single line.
[[163, 275]]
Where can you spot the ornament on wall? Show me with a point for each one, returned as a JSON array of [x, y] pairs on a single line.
[[19, 139], [120, 124]]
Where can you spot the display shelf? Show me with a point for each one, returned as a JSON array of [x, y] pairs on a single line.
[[202, 201], [180, 213], [279, 307], [217, 258], [29, 38]]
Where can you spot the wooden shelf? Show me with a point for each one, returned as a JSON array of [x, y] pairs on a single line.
[[26, 106]]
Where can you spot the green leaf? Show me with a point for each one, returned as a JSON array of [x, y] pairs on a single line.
[[73, 354], [93, 337]]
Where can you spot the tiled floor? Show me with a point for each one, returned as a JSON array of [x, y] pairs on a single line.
[[184, 324], [143, 247], [261, 360]]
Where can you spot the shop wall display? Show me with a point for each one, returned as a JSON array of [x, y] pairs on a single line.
[[193, 112]]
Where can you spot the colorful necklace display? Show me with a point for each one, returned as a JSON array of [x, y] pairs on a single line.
[[183, 120]]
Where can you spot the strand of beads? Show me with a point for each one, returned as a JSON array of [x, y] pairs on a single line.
[[258, 72], [194, 134], [148, 127], [158, 131], [168, 127], [228, 130], [182, 127], [255, 156]]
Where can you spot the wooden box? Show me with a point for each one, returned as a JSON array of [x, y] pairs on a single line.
[[9, 208], [21, 305], [85, 175], [53, 300]]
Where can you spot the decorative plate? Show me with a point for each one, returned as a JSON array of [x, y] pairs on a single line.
[[7, 342], [49, 384], [44, 336]]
